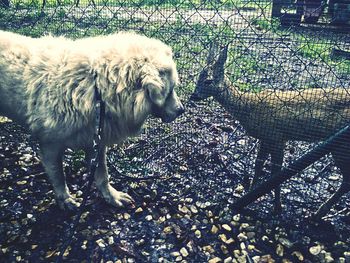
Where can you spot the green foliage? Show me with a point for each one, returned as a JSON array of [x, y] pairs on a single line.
[[323, 51], [242, 65], [206, 4], [308, 46], [314, 50], [61, 13], [266, 24], [247, 87], [263, 5], [343, 66]]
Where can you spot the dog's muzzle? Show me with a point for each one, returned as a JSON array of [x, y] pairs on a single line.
[[171, 117], [168, 116]]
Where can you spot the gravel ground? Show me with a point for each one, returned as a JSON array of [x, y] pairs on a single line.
[[183, 177]]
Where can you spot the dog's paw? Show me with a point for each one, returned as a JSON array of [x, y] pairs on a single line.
[[68, 204], [117, 198]]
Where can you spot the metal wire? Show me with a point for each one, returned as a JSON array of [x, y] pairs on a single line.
[[275, 45]]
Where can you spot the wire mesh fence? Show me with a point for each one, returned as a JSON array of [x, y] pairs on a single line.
[[287, 76]]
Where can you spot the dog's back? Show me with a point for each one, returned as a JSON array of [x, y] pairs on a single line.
[[26, 65], [14, 56]]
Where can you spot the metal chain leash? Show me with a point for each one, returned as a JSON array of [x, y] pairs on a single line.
[[99, 123]]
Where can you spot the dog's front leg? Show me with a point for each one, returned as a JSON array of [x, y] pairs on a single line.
[[111, 195], [51, 156]]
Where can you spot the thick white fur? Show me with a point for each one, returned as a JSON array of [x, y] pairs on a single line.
[[48, 85]]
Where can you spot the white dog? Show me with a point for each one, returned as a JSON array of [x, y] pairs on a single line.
[[48, 85]]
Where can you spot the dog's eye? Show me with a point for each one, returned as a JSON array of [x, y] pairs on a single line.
[[165, 72]]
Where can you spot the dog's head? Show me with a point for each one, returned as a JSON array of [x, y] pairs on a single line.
[[160, 91], [144, 67], [159, 79]]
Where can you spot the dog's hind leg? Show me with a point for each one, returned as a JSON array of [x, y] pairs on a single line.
[[51, 156], [342, 159], [111, 195]]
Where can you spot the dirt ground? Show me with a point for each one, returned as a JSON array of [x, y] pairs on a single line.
[[183, 176]]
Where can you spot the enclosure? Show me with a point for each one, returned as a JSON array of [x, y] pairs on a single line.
[[186, 176]]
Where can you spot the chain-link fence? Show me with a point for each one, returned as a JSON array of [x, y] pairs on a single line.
[[287, 79]]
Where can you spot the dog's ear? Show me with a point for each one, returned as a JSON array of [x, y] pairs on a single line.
[[152, 84], [156, 94]]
